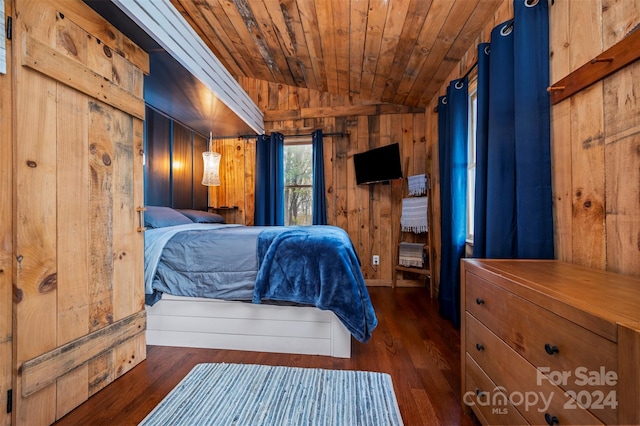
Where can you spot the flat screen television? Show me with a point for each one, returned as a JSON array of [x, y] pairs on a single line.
[[378, 164]]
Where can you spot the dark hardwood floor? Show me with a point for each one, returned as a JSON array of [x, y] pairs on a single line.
[[419, 349]]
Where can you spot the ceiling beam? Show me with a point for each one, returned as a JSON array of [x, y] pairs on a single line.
[[164, 23], [339, 111]]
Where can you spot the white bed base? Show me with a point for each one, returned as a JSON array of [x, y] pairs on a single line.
[[218, 324]]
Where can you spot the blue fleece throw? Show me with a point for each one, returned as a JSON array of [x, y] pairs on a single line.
[[315, 265]]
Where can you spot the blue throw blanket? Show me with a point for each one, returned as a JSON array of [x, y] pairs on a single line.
[[315, 265]]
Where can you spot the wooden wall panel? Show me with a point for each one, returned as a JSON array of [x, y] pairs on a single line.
[[6, 230], [587, 150], [560, 65], [587, 141], [236, 179]]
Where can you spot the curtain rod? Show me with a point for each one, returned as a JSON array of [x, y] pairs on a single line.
[[234, 137], [474, 66], [323, 134], [286, 136]]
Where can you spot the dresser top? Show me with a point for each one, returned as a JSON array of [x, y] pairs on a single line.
[[566, 288]]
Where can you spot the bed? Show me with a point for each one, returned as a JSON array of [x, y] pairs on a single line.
[[269, 289]]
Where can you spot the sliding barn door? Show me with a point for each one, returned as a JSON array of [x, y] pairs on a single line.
[[78, 256]]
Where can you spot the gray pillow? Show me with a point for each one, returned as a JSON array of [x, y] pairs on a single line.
[[159, 217], [199, 216]]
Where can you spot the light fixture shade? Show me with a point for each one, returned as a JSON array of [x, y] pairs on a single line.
[[211, 175]]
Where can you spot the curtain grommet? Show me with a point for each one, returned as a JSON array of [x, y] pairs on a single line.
[[507, 29]]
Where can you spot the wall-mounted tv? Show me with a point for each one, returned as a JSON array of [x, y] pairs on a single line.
[[378, 164]]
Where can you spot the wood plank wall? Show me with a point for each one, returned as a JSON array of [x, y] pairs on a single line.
[[596, 133], [6, 232], [370, 214], [595, 137]]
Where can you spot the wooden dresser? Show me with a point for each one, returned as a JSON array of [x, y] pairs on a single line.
[[547, 342]]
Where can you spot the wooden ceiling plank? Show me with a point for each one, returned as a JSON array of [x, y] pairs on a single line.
[[383, 51], [418, 10], [273, 31], [341, 31], [375, 27], [233, 25], [482, 12], [434, 22], [233, 61], [258, 37], [328, 43], [396, 17], [456, 20], [357, 33], [309, 23], [232, 34], [298, 57]]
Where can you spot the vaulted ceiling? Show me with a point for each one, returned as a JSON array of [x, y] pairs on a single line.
[[395, 51]]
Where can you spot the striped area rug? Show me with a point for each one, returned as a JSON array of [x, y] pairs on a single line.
[[243, 395]]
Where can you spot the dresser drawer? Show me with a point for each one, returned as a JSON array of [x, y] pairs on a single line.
[[486, 399], [580, 360], [532, 395]]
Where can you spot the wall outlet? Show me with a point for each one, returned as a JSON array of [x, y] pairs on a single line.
[[376, 259]]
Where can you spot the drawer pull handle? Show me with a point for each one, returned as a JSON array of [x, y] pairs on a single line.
[[551, 420], [551, 349], [479, 301], [479, 347]]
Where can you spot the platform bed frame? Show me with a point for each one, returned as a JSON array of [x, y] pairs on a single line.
[[218, 324]]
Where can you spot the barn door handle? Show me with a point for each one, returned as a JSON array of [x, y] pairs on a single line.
[[141, 211]]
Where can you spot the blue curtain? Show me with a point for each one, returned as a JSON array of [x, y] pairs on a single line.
[[453, 121], [513, 214], [269, 207], [319, 214], [482, 136]]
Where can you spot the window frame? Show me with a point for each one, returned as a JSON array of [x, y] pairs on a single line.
[[297, 141], [471, 155]]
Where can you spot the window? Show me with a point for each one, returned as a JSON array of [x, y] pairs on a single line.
[[298, 179], [471, 156]]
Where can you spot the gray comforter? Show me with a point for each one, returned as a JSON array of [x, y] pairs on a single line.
[[201, 260]]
